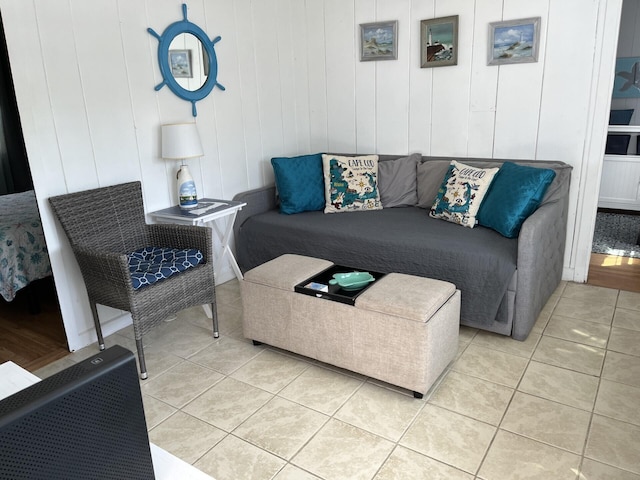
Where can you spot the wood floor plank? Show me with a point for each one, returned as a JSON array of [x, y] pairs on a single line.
[[32, 340], [621, 273]]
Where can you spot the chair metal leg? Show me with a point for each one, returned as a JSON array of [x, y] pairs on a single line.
[[96, 322], [143, 365], [214, 316]]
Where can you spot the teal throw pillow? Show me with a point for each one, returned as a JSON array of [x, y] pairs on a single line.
[[516, 192], [300, 183]]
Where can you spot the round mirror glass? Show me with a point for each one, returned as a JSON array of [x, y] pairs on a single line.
[[188, 61]]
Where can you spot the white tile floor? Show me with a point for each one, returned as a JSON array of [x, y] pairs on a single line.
[[564, 404]]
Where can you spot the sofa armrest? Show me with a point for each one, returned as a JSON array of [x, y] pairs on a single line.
[[540, 259], [258, 200]]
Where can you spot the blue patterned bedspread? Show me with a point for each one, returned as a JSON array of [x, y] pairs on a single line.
[[23, 252]]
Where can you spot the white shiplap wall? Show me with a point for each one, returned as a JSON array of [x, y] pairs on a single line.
[[85, 72]]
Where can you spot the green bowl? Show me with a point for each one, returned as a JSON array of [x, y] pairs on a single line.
[[352, 280]]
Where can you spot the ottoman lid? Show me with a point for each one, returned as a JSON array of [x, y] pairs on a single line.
[[406, 296], [286, 271]]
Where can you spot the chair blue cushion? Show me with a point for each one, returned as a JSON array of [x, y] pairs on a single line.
[[300, 183], [515, 193], [151, 264]]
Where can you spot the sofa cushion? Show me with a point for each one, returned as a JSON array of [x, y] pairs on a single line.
[[350, 183], [515, 193], [397, 181], [429, 178], [299, 182], [461, 193]]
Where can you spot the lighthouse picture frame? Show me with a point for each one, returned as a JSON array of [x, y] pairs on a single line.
[[439, 42], [514, 41]]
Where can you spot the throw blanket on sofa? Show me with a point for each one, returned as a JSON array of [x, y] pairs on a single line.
[[361, 242]]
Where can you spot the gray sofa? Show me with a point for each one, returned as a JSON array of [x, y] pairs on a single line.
[[505, 282]]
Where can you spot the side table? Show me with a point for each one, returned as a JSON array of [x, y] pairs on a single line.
[[206, 213]]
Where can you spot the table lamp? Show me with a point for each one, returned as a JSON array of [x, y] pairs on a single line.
[[179, 142]]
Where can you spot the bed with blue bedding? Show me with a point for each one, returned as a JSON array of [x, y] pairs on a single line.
[[23, 251]]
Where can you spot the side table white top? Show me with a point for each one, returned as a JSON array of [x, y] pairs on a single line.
[[208, 209]]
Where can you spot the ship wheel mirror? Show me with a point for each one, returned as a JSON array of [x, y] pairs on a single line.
[[187, 60]]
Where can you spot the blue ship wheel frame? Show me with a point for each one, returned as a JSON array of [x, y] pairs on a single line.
[[171, 32]]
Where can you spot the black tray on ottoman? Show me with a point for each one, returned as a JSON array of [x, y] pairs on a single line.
[[318, 285]]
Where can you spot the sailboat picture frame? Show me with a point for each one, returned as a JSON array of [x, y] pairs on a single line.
[[514, 41], [379, 41]]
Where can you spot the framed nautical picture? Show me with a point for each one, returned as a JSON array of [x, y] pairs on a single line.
[[180, 63], [379, 41], [439, 42], [514, 41]]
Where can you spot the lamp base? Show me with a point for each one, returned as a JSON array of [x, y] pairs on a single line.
[[187, 195]]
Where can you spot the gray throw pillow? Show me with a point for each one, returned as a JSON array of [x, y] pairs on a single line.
[[429, 177], [397, 181]]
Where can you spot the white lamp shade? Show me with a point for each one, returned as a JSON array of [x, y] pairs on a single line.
[[181, 140]]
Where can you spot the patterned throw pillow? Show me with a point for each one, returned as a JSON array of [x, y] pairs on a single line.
[[350, 183], [461, 193]]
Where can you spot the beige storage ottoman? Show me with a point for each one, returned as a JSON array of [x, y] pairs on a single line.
[[402, 330]]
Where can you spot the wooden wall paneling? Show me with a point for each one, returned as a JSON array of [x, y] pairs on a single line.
[[225, 158], [106, 91], [205, 169], [450, 101], [420, 82], [316, 55], [268, 77], [484, 82], [141, 63], [68, 105], [586, 175], [365, 84], [340, 34], [173, 109], [24, 45], [252, 134], [561, 128], [518, 115], [392, 80], [39, 130], [286, 64], [301, 77], [620, 183]]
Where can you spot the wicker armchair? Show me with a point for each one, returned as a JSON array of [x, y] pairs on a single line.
[[104, 226]]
